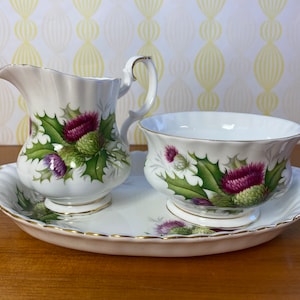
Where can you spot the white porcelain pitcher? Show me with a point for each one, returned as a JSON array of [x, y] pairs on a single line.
[[75, 154]]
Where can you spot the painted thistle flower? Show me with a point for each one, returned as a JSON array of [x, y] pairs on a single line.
[[55, 164], [76, 128], [237, 180], [167, 226], [173, 156], [178, 227], [170, 153]]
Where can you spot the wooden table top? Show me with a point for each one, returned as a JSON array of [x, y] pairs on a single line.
[[32, 269]]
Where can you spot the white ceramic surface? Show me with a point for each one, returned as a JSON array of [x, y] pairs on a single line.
[[219, 164], [137, 222], [75, 154]]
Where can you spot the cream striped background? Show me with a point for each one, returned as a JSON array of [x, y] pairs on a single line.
[[226, 55]]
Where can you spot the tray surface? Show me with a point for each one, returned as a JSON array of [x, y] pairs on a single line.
[[138, 221]]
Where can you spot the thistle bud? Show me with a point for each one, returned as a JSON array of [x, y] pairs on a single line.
[[89, 144], [180, 162], [250, 196], [181, 230]]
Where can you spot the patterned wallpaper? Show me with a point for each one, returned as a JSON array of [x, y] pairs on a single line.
[[225, 55]]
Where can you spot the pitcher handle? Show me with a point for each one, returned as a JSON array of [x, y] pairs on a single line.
[[128, 78]]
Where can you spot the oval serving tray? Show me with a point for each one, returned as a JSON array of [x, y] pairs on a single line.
[[138, 222]]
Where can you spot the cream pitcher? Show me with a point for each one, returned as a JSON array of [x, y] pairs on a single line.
[[75, 154]]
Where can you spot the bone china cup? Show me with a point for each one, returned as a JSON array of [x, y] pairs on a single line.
[[219, 165]]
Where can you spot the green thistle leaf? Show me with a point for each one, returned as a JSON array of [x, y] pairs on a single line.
[[273, 176], [210, 174], [69, 174], [202, 230], [235, 163], [38, 151], [95, 166], [70, 113], [39, 210], [119, 155], [52, 128], [34, 129], [222, 200], [45, 174], [181, 187], [106, 127], [50, 216], [23, 201]]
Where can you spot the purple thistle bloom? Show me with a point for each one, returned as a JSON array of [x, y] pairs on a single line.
[[235, 181], [201, 201], [55, 164], [76, 128], [170, 153], [165, 227]]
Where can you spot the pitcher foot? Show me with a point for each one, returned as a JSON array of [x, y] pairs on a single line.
[[87, 208]]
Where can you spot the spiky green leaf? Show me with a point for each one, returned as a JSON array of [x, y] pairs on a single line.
[[106, 127], [202, 230], [69, 174], [180, 186], [273, 176], [38, 151], [95, 166], [52, 128], [34, 128], [70, 113], [235, 163], [42, 213], [45, 174], [222, 200], [210, 174], [23, 201]]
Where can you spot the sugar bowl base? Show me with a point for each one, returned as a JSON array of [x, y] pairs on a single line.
[[227, 223]]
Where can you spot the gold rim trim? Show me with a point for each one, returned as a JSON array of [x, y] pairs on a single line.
[[18, 217]]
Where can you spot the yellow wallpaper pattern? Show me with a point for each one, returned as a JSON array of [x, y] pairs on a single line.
[[209, 63], [269, 63], [226, 55]]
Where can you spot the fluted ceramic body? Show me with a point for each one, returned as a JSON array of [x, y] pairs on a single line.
[[219, 165], [75, 154]]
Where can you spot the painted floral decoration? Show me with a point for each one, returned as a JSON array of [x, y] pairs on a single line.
[[181, 228], [84, 140], [242, 184], [36, 210]]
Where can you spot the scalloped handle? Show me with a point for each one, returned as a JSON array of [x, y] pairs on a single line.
[[128, 78]]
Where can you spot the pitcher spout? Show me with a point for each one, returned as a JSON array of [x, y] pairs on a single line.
[[28, 80], [14, 74], [51, 90]]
